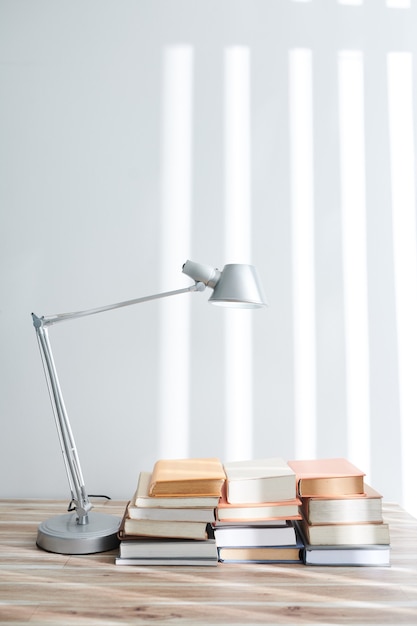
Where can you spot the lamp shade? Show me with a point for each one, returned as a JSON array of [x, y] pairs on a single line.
[[238, 286]]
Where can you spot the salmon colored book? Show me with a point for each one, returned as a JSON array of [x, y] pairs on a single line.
[[187, 477], [284, 510], [327, 477]]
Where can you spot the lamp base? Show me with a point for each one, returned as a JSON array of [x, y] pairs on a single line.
[[63, 535]]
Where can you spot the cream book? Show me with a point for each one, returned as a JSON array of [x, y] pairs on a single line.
[[345, 534], [134, 528], [259, 480], [366, 507], [187, 477], [327, 477], [176, 514]]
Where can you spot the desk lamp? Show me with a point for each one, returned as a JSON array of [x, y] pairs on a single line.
[[81, 531]]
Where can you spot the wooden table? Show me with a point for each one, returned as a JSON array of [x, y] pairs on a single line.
[[43, 588]]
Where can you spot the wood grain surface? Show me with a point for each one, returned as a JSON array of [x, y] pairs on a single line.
[[38, 587]]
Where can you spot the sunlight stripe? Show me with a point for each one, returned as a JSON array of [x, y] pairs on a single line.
[[303, 265], [353, 205], [174, 375], [401, 131], [238, 324]]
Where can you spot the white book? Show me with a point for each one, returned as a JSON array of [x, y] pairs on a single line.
[[255, 536], [259, 480], [347, 556]]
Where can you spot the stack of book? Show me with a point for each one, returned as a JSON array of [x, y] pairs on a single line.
[[342, 522], [168, 520], [256, 513]]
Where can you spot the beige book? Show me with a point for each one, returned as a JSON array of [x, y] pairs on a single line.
[[358, 508], [187, 477], [142, 500], [345, 534], [163, 528]]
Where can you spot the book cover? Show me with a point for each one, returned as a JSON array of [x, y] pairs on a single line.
[[174, 513], [133, 528], [259, 480], [284, 510], [374, 555], [142, 499], [327, 477], [167, 548], [254, 536], [360, 508], [345, 534], [187, 477], [273, 554], [272, 521], [189, 562], [163, 528], [171, 514]]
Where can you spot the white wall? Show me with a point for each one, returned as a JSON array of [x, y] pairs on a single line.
[[137, 134]]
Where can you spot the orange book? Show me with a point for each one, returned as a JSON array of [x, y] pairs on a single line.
[[187, 477], [327, 477]]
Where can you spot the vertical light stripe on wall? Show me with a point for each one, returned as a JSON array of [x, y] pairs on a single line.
[[303, 264], [353, 205], [403, 163], [237, 189], [175, 237], [353, 3], [398, 4]]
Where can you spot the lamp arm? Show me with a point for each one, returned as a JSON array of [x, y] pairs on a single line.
[[48, 320], [79, 494]]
